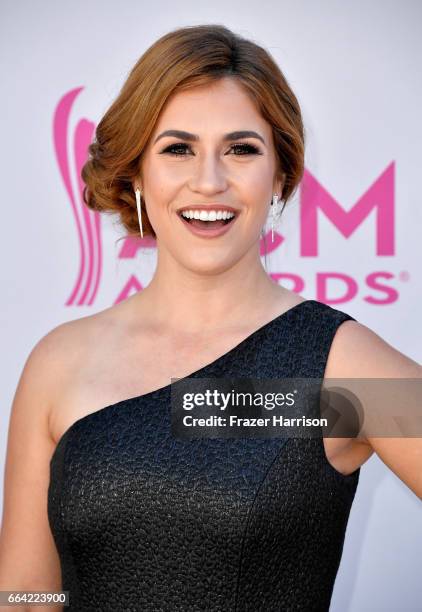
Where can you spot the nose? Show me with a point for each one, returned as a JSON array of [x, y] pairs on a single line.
[[209, 175]]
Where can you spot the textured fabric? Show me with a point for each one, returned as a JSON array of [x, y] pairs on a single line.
[[147, 522]]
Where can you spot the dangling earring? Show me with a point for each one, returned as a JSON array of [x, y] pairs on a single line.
[[275, 213], [138, 206]]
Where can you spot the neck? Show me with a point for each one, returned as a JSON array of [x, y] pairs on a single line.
[[190, 298]]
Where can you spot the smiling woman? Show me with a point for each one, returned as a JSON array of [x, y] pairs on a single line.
[[123, 513]]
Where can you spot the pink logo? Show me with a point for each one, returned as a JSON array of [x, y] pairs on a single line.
[[87, 221], [378, 199]]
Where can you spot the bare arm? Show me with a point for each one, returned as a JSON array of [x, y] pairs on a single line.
[[361, 353], [28, 555]]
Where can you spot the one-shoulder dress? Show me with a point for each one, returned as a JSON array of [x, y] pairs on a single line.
[[146, 521]]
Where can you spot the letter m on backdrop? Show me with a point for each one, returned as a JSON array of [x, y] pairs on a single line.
[[379, 197]]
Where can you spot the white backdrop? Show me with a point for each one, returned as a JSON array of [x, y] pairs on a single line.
[[355, 68]]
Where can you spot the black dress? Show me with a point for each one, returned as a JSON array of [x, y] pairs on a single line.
[[145, 521]]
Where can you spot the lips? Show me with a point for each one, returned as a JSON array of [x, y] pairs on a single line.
[[208, 229]]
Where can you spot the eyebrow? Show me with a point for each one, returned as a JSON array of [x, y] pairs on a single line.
[[238, 135]]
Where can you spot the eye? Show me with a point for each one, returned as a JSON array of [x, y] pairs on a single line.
[[175, 149], [179, 149], [247, 149]]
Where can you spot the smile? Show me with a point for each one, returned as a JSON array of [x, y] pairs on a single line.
[[207, 224]]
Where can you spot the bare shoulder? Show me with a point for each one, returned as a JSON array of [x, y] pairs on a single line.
[[359, 352], [63, 346], [56, 358], [45, 365]]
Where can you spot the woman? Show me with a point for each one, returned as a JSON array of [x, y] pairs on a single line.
[[100, 498]]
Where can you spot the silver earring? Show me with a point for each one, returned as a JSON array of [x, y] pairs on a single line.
[[138, 206], [275, 213]]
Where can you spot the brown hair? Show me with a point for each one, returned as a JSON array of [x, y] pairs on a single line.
[[181, 59]]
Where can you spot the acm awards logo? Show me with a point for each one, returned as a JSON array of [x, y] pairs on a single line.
[[313, 199]]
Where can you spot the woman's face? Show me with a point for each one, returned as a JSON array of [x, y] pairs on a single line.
[[206, 168]]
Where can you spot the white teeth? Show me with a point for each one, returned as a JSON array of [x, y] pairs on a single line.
[[205, 215]]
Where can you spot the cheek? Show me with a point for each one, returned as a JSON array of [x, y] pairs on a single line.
[[170, 174], [161, 192], [256, 198], [257, 182]]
